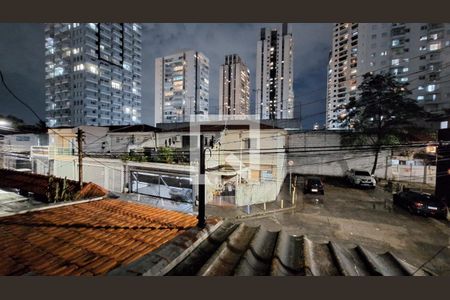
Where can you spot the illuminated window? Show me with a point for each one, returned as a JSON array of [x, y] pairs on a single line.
[[404, 79], [59, 71], [395, 43], [395, 62], [92, 69], [93, 26], [420, 98], [384, 53], [127, 66], [76, 50], [79, 67], [435, 46], [423, 38], [116, 85], [431, 88]]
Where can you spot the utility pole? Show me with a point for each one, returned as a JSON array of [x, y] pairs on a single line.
[[80, 156], [201, 187]]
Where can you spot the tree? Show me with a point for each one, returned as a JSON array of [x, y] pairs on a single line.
[[383, 114]]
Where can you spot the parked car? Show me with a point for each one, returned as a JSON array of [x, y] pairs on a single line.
[[421, 203], [361, 178], [313, 185]]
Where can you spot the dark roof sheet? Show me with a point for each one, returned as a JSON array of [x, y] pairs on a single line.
[[240, 250]]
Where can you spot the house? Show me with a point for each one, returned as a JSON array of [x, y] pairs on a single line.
[[15, 149]]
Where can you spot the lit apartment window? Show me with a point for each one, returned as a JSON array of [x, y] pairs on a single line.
[[395, 62], [116, 85], [420, 88], [431, 88], [404, 79], [383, 53], [420, 98], [79, 67], [423, 38], [423, 48], [434, 36], [435, 46], [405, 70], [93, 26], [92, 69], [395, 43]]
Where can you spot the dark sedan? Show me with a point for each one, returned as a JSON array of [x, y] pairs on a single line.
[[421, 204], [313, 185]]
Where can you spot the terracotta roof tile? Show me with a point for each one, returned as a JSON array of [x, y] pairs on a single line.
[[88, 238]]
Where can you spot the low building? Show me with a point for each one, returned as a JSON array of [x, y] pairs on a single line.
[[15, 149]]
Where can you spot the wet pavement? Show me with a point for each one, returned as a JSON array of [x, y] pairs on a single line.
[[365, 217]]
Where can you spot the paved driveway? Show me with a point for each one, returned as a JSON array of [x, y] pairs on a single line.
[[366, 217]]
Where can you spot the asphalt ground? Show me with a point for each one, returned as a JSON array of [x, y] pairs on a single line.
[[353, 216]]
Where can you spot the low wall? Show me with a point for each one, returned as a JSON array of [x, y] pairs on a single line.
[[49, 188]]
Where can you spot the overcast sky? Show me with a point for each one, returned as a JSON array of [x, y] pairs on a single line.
[[22, 62]]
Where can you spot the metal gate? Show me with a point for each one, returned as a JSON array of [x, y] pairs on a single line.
[[175, 187]]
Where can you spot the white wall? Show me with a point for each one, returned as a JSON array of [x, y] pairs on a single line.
[[317, 161]]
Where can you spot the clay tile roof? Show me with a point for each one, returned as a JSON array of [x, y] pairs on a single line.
[[90, 238]]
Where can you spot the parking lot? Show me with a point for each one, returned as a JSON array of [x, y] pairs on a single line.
[[365, 217]]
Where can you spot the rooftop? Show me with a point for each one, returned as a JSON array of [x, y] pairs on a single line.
[[89, 238], [238, 249]]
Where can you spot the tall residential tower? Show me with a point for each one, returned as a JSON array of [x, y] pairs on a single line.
[[275, 74], [234, 93], [181, 87], [93, 74], [415, 53]]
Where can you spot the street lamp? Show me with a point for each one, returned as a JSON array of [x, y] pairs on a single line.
[[5, 124]]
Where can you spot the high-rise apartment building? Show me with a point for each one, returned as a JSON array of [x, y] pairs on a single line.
[[181, 87], [93, 74], [415, 53], [275, 74], [234, 90]]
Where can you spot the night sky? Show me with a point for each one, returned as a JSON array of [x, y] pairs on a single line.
[[22, 62]]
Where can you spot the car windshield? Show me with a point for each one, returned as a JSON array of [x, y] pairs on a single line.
[[362, 173], [425, 197], [313, 181]]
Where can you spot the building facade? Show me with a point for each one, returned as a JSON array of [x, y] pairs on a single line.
[[415, 53], [275, 74], [234, 93], [93, 74], [181, 87]]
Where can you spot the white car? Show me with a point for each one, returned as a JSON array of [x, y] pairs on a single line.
[[361, 178]]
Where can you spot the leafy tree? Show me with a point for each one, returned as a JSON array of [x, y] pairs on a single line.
[[383, 114]]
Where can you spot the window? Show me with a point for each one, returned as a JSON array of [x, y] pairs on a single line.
[[92, 69], [93, 26], [127, 66], [423, 48], [405, 70], [395, 43], [23, 138], [435, 46], [79, 67], [420, 88], [431, 88], [384, 53], [404, 79], [423, 38], [420, 98], [116, 85], [395, 62]]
